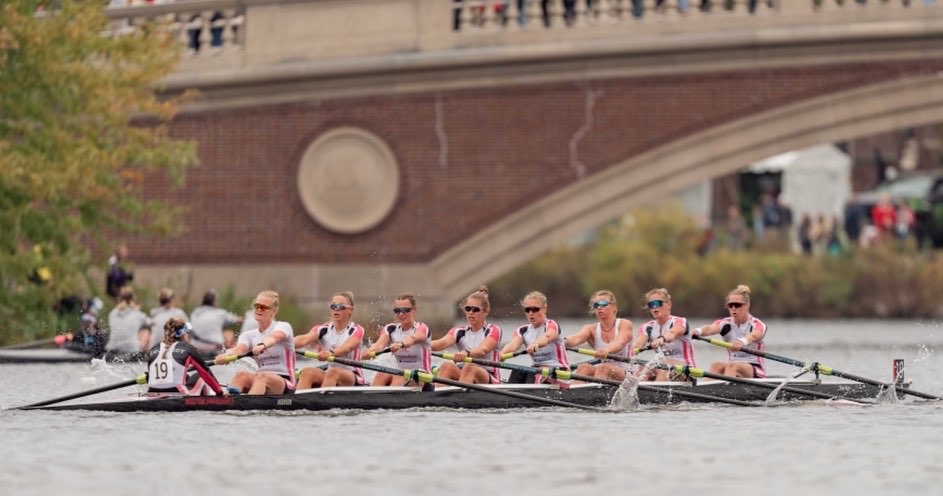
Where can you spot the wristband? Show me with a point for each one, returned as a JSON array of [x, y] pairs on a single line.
[[744, 341], [698, 331]]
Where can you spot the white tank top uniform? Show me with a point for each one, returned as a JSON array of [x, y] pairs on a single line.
[[467, 339], [737, 332], [329, 338], [680, 349], [416, 357], [599, 344], [551, 355], [278, 359]]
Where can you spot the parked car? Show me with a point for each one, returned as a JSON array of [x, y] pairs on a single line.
[[922, 191]]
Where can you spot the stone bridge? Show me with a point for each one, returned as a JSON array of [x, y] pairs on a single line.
[[390, 145]]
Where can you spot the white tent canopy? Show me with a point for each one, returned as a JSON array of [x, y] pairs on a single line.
[[816, 180]]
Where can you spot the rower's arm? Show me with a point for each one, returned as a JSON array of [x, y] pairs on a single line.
[[706, 330], [623, 338], [675, 332], [350, 344], [580, 337], [513, 344], [380, 343], [443, 342]]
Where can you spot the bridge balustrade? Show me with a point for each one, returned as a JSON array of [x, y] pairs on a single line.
[[214, 31]]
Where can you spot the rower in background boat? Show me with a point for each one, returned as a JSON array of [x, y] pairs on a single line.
[[340, 337], [742, 330], [208, 322], [272, 347], [128, 328], [665, 332], [477, 339], [608, 335], [160, 314], [170, 362], [409, 342], [89, 338], [541, 338]]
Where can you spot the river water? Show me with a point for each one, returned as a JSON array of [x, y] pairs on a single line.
[[811, 448]]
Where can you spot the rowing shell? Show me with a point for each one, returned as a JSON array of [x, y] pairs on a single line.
[[394, 398]]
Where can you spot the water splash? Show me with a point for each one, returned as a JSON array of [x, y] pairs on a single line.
[[888, 396], [775, 393], [626, 396]]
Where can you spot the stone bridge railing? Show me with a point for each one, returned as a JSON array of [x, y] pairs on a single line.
[[238, 33]]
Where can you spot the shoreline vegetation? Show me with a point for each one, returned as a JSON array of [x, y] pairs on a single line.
[[660, 248], [664, 248]]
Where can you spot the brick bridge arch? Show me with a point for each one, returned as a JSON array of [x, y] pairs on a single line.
[[506, 146]]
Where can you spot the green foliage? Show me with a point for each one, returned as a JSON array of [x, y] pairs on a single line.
[[653, 249], [72, 158]]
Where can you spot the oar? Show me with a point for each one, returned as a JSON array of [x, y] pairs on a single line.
[[374, 354], [823, 369], [35, 344], [696, 372], [508, 356], [566, 374], [141, 379], [419, 375]]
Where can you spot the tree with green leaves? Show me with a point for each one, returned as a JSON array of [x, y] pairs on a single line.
[[81, 126]]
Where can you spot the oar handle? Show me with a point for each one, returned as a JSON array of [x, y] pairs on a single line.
[[508, 356], [227, 359], [374, 354]]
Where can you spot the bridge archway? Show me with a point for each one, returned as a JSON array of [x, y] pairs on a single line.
[[717, 151]]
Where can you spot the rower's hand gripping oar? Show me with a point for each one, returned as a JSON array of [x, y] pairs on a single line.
[[563, 374], [421, 376], [817, 367], [373, 354], [694, 372], [508, 356]]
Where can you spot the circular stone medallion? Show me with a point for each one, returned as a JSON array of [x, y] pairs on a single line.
[[348, 180]]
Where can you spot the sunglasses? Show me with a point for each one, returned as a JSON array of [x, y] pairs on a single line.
[[655, 304], [261, 307], [402, 310], [734, 304], [339, 306], [531, 309], [471, 309], [601, 304]]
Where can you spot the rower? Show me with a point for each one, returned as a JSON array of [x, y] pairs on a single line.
[[162, 313], [541, 337], [208, 323], [128, 328], [170, 362], [340, 337], [741, 330], [272, 347], [667, 333], [477, 339], [608, 335], [409, 341]]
